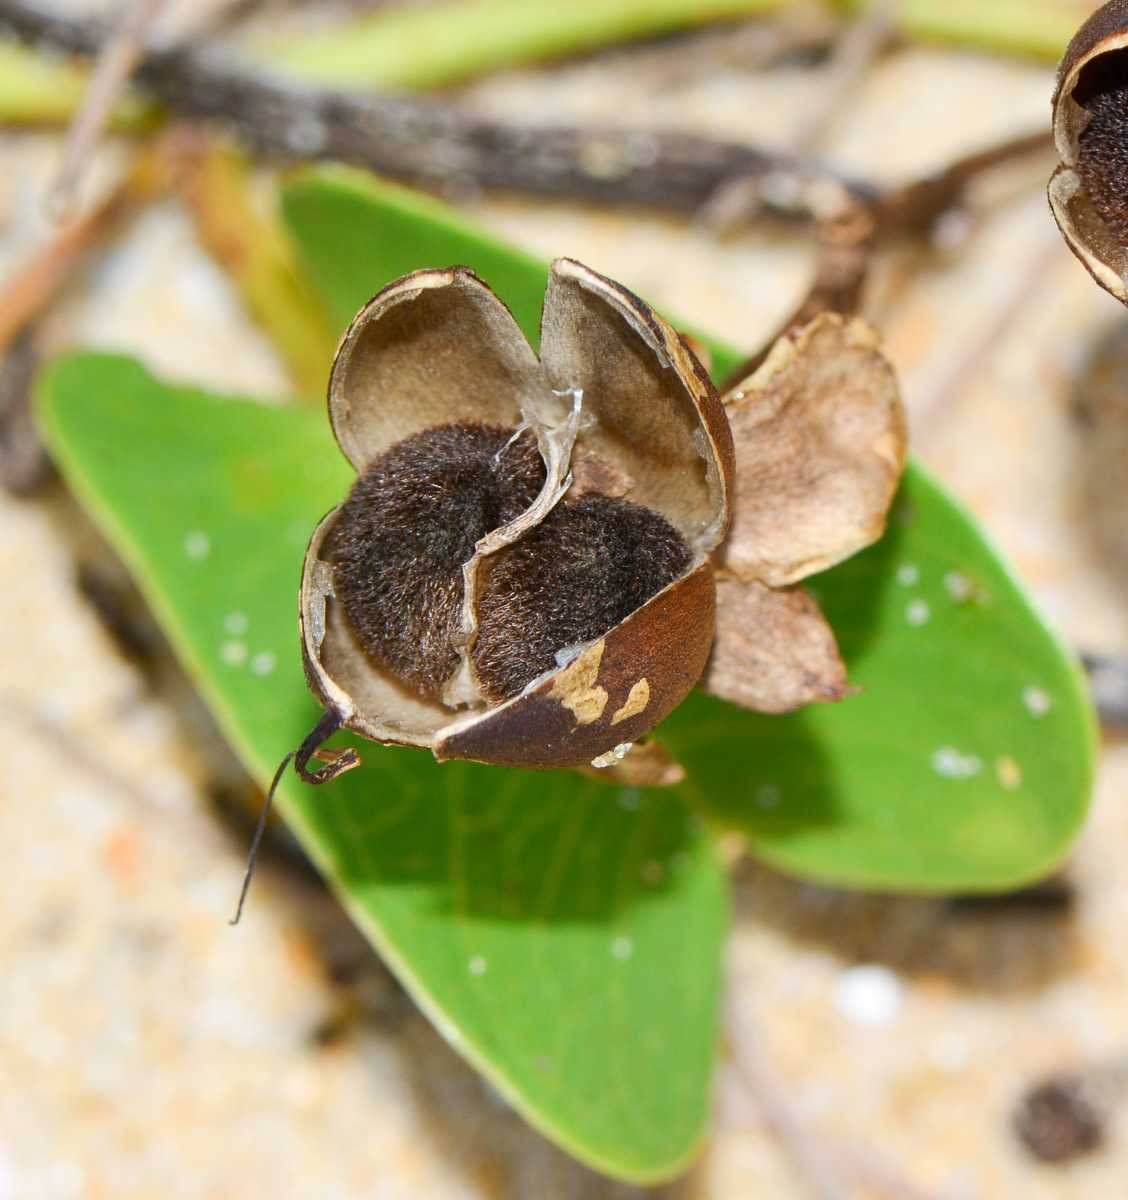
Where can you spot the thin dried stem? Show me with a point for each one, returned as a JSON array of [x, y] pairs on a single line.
[[776, 1104], [26, 295], [846, 245], [25, 466], [855, 52], [871, 1171], [915, 206], [827, 1166], [32, 289], [749, 46], [925, 416], [433, 143], [117, 60]]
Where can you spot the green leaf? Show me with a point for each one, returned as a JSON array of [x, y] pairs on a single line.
[[355, 233], [565, 935], [965, 765], [939, 777]]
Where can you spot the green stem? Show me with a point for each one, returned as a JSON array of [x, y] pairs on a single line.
[[36, 90], [1038, 28], [453, 40], [441, 43]]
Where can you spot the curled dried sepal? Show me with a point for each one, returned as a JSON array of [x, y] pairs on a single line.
[[820, 442], [773, 651], [619, 398], [1089, 190]]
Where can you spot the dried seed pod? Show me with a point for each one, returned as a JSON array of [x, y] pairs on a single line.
[[520, 574], [1089, 190]]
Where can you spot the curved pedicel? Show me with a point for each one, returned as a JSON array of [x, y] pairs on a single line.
[[1089, 191]]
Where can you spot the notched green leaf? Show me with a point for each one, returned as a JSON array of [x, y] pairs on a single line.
[[936, 777], [565, 935]]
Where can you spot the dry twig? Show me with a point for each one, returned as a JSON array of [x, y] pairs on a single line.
[[429, 142], [826, 1166], [26, 295], [854, 53], [116, 62], [778, 1108]]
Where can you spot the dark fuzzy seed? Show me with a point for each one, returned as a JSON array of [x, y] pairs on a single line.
[[585, 568], [410, 522], [1102, 160]]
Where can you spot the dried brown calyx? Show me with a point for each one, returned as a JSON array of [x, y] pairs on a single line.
[[521, 573], [820, 443], [1089, 190]]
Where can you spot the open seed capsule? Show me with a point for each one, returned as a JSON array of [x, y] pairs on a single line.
[[1089, 190], [521, 573]]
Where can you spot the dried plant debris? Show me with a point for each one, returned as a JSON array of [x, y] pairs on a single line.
[[25, 467], [466, 596], [1059, 1121], [820, 439], [1089, 190], [820, 443], [773, 651]]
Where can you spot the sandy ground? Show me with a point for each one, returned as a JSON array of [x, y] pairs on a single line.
[[145, 1051]]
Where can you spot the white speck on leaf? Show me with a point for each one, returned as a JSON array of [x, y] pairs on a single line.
[[630, 798], [236, 624], [477, 965], [950, 763], [233, 653], [197, 545], [622, 948], [958, 586], [263, 663], [908, 575], [917, 613], [768, 797], [869, 995], [1037, 702]]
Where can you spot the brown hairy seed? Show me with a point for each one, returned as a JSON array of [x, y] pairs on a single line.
[[410, 522], [591, 562], [1102, 155]]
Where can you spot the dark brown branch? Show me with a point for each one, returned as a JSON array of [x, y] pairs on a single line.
[[846, 244], [421, 141], [414, 139], [917, 205]]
